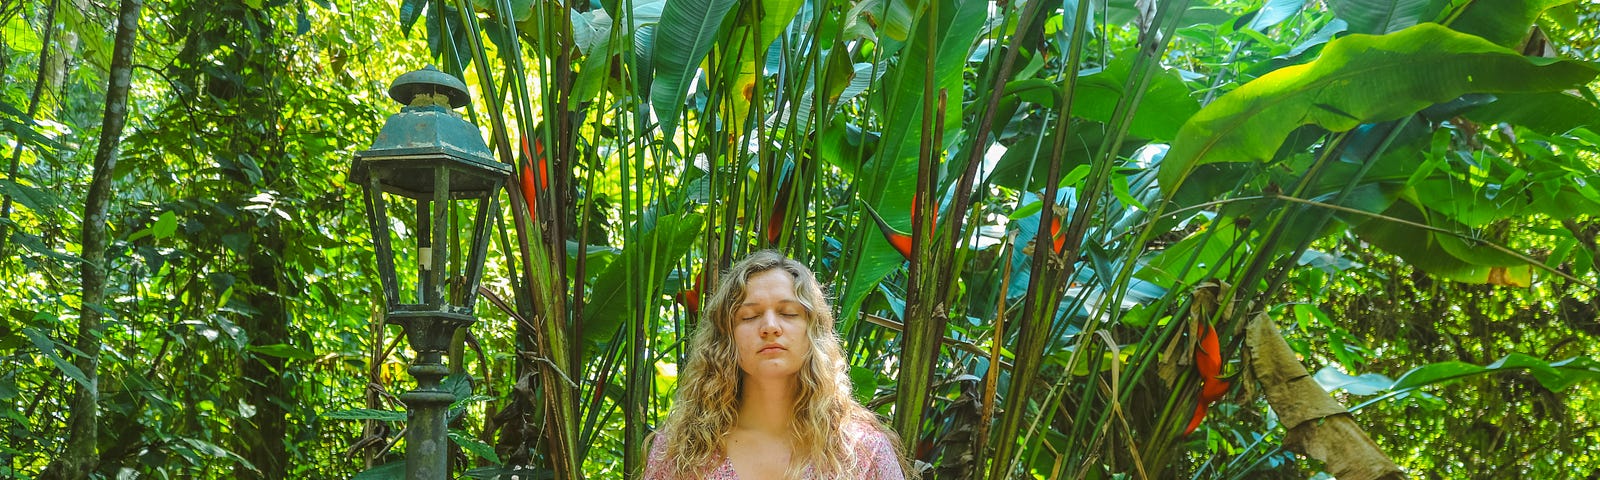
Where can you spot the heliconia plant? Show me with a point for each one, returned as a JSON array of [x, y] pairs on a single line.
[[1056, 223]]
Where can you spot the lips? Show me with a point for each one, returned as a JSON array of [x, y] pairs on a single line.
[[772, 347]]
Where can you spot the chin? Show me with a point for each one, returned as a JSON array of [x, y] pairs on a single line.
[[773, 371]]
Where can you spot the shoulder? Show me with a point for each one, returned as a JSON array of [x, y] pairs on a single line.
[[656, 467], [874, 449], [660, 465], [865, 434]]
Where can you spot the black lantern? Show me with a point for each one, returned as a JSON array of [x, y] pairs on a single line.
[[426, 175]]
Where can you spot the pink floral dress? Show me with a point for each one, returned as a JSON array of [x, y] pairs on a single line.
[[875, 458]]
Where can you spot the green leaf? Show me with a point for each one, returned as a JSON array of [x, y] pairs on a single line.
[[1551, 375], [8, 388], [1330, 378], [236, 242], [1378, 17], [1339, 343], [213, 451], [1273, 13], [1550, 113], [1163, 106], [165, 225], [482, 450], [1030, 157], [756, 27], [890, 176], [410, 11], [1026, 211], [460, 386], [1358, 79], [20, 36], [94, 48], [1572, 370], [684, 36], [1194, 258], [592, 34], [656, 250], [1434, 373], [886, 21], [1119, 188], [366, 414], [26, 130], [387, 471], [1505, 23], [517, 10], [447, 39], [1555, 376], [1443, 255], [463, 401], [47, 346], [282, 351], [864, 383], [36, 199]]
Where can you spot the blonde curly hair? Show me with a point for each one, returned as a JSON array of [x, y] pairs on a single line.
[[710, 386]]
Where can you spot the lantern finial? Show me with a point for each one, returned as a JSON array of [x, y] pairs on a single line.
[[429, 83]]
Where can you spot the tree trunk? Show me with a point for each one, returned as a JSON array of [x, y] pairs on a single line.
[[266, 378], [265, 434], [79, 457]]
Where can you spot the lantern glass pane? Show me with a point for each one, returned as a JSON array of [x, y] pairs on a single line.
[[403, 233], [460, 220], [410, 221]]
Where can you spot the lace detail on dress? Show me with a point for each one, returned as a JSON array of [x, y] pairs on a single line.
[[875, 458], [875, 455]]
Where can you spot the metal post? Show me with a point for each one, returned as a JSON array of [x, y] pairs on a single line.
[[427, 434], [429, 154]]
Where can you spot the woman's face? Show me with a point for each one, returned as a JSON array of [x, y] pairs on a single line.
[[769, 328]]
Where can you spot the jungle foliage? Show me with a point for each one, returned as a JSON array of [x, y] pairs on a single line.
[[1091, 194]]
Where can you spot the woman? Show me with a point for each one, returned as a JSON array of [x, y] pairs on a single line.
[[765, 394]]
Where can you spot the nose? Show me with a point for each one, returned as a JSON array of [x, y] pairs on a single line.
[[770, 325]]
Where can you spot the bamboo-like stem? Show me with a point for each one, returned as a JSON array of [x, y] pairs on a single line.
[[920, 346], [1038, 305]]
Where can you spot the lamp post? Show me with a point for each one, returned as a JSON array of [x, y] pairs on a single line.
[[426, 176]]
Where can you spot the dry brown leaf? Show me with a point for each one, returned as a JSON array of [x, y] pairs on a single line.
[[1318, 425]]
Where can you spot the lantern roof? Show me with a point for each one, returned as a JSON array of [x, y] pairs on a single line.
[[427, 134]]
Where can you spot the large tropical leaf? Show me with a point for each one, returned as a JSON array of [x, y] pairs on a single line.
[[656, 249], [1378, 17], [892, 173], [1551, 113], [1506, 23], [1028, 157], [1163, 107], [1358, 79], [843, 81], [1441, 254], [1555, 376], [1273, 13], [757, 26], [682, 39]]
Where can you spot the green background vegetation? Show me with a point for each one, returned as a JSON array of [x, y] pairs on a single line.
[[1408, 189]]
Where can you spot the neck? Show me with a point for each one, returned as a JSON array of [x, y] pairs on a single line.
[[768, 404]]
